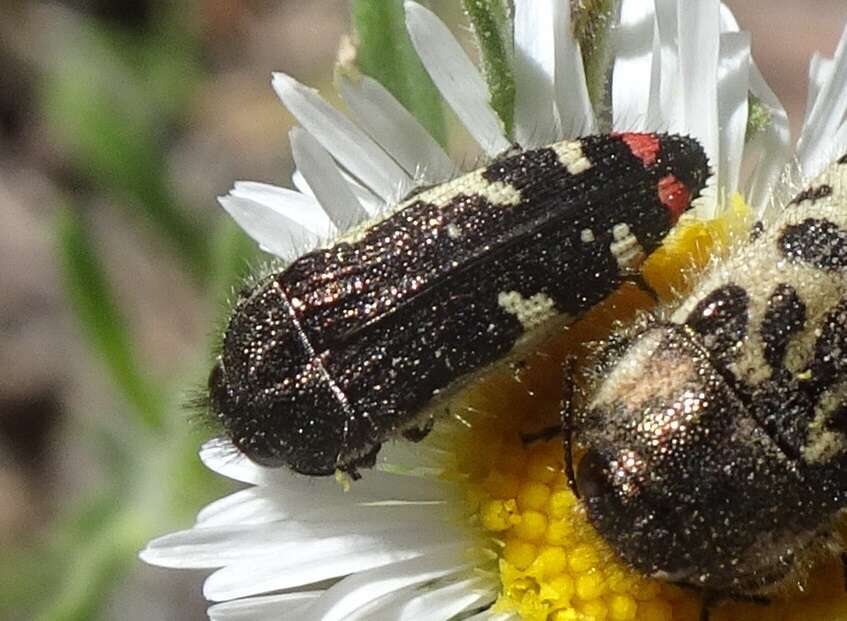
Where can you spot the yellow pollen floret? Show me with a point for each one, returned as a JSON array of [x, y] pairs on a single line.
[[594, 609], [533, 495], [590, 585], [498, 515], [531, 526], [552, 561], [583, 558], [622, 608], [560, 503], [552, 565], [519, 552]]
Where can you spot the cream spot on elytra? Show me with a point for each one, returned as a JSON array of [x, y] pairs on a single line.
[[571, 156], [530, 312], [627, 251], [620, 231], [497, 193]]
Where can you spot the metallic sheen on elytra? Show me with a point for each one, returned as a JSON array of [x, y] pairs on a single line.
[[361, 341]]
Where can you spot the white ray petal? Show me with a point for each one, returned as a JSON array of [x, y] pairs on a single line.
[[214, 546], [300, 183], [294, 564], [286, 202], [249, 506], [536, 117], [349, 145], [284, 222], [820, 72], [265, 608], [322, 175], [444, 603], [454, 74], [448, 598], [815, 148], [728, 21], [766, 152], [576, 115], [260, 506], [367, 199], [698, 35], [666, 66], [632, 70], [733, 105], [342, 600], [396, 130]]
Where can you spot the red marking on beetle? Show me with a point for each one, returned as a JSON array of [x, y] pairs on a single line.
[[674, 195], [643, 146]]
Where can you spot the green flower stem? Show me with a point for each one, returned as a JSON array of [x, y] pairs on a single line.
[[492, 26], [592, 22]]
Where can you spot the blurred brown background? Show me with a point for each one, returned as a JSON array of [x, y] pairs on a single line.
[[197, 75]]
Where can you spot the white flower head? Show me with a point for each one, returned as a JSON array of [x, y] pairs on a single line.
[[413, 539]]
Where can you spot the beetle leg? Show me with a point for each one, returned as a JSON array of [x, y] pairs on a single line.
[[567, 422]]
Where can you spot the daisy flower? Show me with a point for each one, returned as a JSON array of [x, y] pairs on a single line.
[[472, 523]]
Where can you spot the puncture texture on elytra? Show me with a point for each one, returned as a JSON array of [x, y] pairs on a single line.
[[363, 340]]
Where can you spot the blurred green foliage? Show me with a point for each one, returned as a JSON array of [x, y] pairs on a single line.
[[112, 97], [94, 304]]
